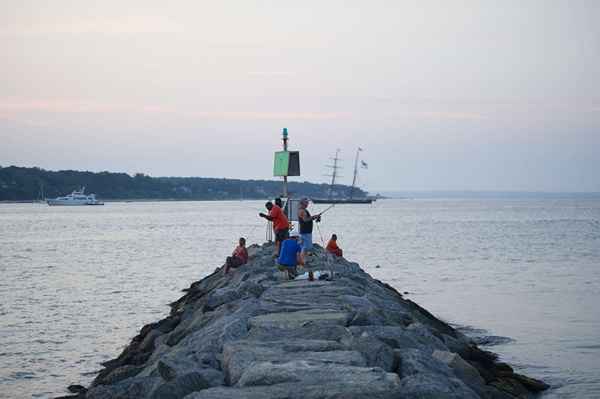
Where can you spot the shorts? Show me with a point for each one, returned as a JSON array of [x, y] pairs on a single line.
[[281, 235], [234, 261], [306, 243], [285, 268]]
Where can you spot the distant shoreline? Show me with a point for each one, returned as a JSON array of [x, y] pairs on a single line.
[[488, 195], [141, 200], [388, 196]]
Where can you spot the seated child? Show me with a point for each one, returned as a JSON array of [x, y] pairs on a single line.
[[238, 257], [333, 247], [289, 256]]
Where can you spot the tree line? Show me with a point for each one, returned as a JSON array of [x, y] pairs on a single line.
[[29, 184]]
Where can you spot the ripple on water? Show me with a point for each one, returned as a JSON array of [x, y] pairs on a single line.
[[22, 375]]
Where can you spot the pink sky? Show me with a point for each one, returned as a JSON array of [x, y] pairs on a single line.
[[463, 95]]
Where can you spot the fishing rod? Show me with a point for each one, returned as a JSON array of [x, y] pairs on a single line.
[[327, 209]]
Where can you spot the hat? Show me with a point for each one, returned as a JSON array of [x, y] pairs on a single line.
[[294, 233], [305, 200]]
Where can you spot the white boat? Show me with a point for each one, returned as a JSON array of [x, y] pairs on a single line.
[[76, 198]]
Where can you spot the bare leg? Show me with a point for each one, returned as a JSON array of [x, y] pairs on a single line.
[[277, 246]]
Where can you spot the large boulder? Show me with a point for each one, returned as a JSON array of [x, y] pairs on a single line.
[[316, 373], [243, 355]]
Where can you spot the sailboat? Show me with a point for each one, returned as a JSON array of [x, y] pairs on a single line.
[[334, 174]]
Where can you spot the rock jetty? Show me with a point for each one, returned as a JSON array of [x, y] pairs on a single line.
[[252, 334]]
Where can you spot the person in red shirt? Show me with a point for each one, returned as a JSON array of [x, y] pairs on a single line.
[[332, 246], [281, 225], [239, 256]]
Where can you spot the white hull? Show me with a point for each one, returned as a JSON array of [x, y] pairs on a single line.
[[54, 202]]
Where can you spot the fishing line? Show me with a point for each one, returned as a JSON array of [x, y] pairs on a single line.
[[254, 229], [327, 209], [320, 235]]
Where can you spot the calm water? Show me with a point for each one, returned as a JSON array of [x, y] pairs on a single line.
[[78, 283]]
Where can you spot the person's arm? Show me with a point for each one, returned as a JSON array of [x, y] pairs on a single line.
[[302, 215], [245, 252], [268, 217]]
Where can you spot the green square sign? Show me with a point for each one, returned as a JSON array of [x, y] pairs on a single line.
[[287, 163], [281, 165]]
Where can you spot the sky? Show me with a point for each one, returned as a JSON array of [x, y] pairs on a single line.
[[460, 95]]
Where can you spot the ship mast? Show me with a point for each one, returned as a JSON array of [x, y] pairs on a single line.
[[355, 172], [334, 174]]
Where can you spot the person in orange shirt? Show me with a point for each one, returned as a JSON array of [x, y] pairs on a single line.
[[332, 246], [281, 225]]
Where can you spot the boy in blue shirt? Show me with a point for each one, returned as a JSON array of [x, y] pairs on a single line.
[[290, 255]]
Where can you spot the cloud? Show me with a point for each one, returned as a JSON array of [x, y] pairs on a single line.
[[454, 115], [269, 74], [133, 24], [12, 110]]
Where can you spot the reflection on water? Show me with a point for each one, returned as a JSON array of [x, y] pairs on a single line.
[[78, 283]]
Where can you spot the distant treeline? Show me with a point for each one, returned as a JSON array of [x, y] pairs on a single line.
[[25, 184]]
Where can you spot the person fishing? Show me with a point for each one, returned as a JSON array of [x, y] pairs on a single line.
[[305, 222], [281, 224]]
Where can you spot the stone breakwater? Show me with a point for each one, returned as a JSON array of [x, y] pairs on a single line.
[[252, 334]]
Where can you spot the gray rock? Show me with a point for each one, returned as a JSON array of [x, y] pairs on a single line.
[[431, 386], [268, 373], [291, 320], [166, 372], [121, 373], [296, 391], [424, 335], [414, 361], [331, 333], [132, 388], [368, 316], [395, 336], [147, 343], [242, 355], [463, 370], [221, 296], [179, 387], [377, 353]]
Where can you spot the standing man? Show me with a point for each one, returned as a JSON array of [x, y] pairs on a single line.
[[281, 224], [305, 221]]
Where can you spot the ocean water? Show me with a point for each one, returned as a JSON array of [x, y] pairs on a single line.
[[523, 275]]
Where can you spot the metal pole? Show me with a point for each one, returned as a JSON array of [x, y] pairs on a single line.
[[334, 173], [285, 147], [355, 172]]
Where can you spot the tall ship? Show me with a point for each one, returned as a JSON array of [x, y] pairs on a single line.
[[334, 175], [76, 198]]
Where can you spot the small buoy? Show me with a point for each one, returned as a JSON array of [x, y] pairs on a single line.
[[377, 266]]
